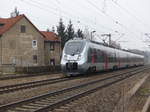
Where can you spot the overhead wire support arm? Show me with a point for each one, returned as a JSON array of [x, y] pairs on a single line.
[[129, 13]]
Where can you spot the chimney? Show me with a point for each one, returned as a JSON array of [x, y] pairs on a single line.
[[13, 14]]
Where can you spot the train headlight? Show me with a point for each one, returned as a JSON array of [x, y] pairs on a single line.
[[79, 57]]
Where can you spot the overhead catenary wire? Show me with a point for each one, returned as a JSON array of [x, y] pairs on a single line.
[[46, 8], [43, 5], [101, 12], [108, 28], [129, 13], [36, 4], [135, 17], [132, 15], [51, 7], [116, 22], [102, 25], [138, 30], [50, 11], [39, 7], [112, 19], [85, 19]]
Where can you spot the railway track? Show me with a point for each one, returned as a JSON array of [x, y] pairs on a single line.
[[24, 76], [52, 100], [16, 87]]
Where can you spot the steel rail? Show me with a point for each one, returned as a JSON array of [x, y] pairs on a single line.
[[82, 94], [33, 105], [25, 75], [16, 87]]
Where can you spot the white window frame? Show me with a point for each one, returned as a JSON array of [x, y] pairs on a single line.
[[34, 46]]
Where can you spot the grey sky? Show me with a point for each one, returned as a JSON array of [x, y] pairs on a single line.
[[130, 17]]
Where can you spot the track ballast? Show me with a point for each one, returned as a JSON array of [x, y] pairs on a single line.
[[55, 99]]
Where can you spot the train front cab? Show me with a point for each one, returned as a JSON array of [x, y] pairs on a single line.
[[73, 68], [73, 57]]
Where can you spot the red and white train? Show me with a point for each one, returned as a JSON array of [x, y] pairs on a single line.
[[81, 56]]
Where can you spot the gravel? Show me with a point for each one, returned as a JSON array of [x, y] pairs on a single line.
[[28, 93], [28, 79], [104, 100], [139, 99]]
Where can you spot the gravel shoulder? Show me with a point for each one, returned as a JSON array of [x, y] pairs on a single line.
[[138, 101], [28, 93], [31, 92], [104, 100]]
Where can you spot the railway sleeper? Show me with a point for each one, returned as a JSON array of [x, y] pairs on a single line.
[[74, 97], [42, 103], [29, 107], [18, 109]]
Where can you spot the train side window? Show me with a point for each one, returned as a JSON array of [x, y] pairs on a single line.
[[95, 54], [99, 56], [115, 58], [110, 57], [89, 55], [104, 56], [127, 59]]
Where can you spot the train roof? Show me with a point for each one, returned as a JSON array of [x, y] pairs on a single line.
[[105, 45]]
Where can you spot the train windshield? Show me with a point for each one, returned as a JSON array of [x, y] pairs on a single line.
[[73, 48]]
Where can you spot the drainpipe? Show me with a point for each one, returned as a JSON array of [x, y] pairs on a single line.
[[1, 48], [1, 52]]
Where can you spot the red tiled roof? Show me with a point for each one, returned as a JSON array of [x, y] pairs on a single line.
[[50, 36], [8, 23]]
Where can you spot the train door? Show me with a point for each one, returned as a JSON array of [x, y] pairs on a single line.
[[118, 60], [89, 58], [105, 60], [95, 57], [127, 61]]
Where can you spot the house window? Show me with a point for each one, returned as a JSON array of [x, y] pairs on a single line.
[[2, 24], [34, 58], [34, 43], [52, 62], [23, 28], [13, 60], [52, 46]]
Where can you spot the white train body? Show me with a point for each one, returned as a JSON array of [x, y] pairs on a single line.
[[80, 56]]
